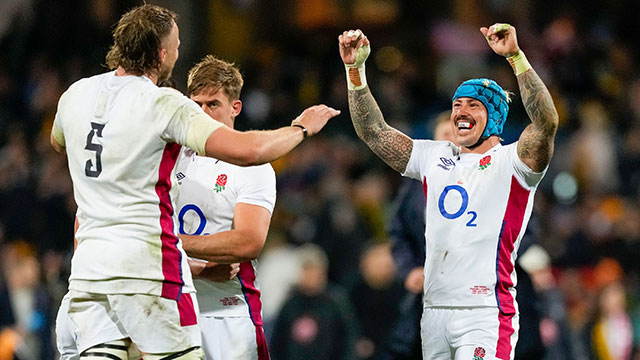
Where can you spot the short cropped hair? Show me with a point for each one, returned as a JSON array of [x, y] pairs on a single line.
[[137, 39], [212, 74]]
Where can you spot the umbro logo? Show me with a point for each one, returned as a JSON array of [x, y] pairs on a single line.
[[180, 176], [446, 163]]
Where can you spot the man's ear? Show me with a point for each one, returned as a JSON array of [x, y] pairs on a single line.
[[237, 107], [163, 54]]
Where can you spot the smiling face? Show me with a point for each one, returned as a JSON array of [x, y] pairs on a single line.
[[218, 105], [468, 120]]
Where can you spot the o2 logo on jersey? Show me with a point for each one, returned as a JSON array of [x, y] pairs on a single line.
[[195, 209], [463, 205]]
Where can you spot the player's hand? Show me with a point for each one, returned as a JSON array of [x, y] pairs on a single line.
[[415, 280], [349, 43], [314, 118], [502, 39], [219, 272]]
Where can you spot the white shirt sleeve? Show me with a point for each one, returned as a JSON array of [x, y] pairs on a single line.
[[57, 129], [258, 186], [420, 159], [187, 124], [522, 171]]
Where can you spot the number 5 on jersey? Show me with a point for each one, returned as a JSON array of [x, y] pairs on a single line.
[[96, 129], [463, 205]]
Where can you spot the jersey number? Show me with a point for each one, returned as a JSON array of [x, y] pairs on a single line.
[[96, 129], [463, 206]]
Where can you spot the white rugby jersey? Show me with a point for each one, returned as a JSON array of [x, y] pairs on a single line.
[[478, 207], [209, 192], [121, 135]]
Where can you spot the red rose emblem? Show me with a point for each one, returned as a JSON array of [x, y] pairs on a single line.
[[485, 160], [222, 180], [479, 351]]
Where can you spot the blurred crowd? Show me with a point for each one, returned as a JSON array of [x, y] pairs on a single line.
[[328, 250]]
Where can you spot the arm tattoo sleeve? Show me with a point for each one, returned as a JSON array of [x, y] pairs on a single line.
[[535, 146], [392, 146]]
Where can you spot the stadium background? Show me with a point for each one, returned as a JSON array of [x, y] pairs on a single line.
[[332, 191]]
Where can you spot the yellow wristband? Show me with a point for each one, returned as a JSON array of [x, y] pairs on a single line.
[[519, 63]]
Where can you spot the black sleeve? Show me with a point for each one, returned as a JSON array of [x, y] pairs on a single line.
[[406, 228]]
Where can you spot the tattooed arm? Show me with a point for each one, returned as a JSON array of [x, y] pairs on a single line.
[[389, 144], [535, 146], [392, 146]]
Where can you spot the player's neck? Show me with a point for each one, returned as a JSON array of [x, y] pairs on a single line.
[[484, 147], [153, 76]]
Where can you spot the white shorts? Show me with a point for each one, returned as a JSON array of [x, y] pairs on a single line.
[[66, 334], [232, 338], [156, 325], [482, 333]]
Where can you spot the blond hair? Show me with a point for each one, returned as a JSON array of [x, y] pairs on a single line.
[[212, 74]]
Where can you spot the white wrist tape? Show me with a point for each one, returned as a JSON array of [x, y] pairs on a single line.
[[356, 75]]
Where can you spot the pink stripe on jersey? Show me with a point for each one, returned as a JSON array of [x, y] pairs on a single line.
[[171, 256], [424, 187], [187, 311], [261, 342], [505, 330], [511, 227], [247, 277]]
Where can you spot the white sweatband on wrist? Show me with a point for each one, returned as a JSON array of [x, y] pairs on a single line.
[[356, 75], [519, 63]]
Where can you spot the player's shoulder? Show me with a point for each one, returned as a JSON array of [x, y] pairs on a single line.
[[252, 171], [169, 100], [439, 147], [168, 91], [168, 94], [79, 91], [79, 87], [258, 170], [506, 149]]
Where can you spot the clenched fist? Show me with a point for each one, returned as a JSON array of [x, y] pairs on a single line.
[[502, 39]]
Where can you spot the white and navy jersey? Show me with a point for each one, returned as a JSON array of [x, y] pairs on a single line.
[[122, 136], [478, 207], [209, 192]]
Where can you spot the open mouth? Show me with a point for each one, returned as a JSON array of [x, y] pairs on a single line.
[[465, 125]]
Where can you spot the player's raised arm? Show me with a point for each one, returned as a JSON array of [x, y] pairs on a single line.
[[259, 147], [392, 146], [535, 146]]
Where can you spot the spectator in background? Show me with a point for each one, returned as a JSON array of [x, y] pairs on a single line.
[[611, 332], [374, 295], [594, 151], [315, 322], [25, 327]]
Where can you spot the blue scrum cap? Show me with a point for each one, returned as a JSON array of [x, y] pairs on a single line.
[[494, 98]]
